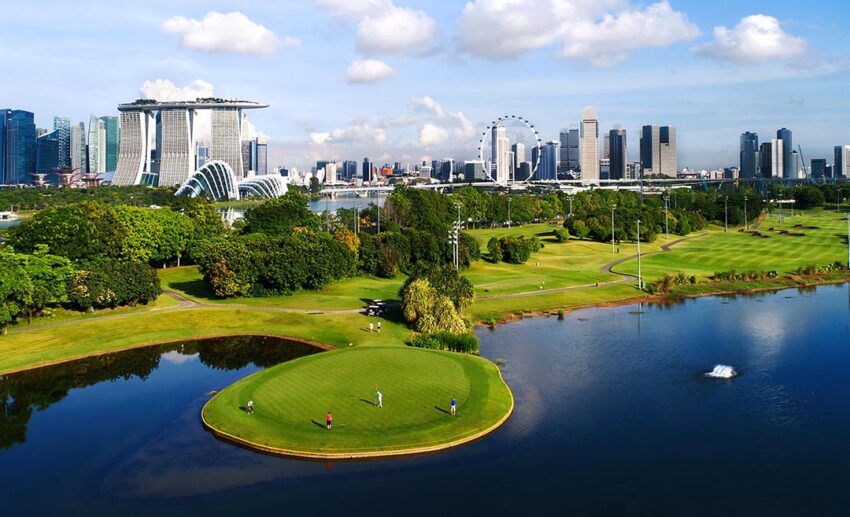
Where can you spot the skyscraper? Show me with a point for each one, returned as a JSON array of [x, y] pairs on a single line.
[[777, 157], [47, 153], [564, 138], [202, 154], [519, 154], [788, 169], [79, 158], [367, 170], [749, 155], [447, 169], [501, 150], [110, 125], [17, 146], [589, 145], [551, 157], [766, 169], [619, 154], [573, 154], [818, 168], [97, 145], [841, 166], [262, 155], [658, 150], [349, 170], [63, 127]]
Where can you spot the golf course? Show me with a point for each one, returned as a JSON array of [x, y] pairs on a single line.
[[291, 400]]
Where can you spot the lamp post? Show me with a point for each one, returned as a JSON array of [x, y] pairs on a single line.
[[571, 204], [745, 214], [726, 214], [613, 207], [640, 277], [379, 216], [509, 211], [667, 215]]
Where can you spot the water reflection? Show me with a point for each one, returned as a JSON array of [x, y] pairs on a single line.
[[22, 394]]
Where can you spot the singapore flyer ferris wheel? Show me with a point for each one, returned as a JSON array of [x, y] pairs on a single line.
[[521, 123]]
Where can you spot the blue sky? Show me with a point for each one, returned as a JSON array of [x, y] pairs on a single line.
[[411, 79]]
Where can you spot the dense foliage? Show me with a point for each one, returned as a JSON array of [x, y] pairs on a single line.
[[463, 343], [113, 283], [513, 250], [30, 284], [280, 216], [39, 199]]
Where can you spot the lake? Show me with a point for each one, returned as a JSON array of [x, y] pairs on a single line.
[[614, 415]]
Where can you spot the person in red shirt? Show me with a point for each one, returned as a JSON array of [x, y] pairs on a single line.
[[329, 419]]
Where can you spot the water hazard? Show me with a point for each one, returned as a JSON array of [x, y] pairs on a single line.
[[614, 415]]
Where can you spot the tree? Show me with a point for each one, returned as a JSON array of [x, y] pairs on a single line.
[[15, 290], [561, 234], [80, 231], [113, 283], [494, 248], [429, 312], [446, 281], [50, 276], [279, 216]]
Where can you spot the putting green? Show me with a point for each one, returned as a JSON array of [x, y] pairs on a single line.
[[291, 400]]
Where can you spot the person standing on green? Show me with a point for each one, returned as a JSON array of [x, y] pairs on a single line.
[[379, 397], [329, 420], [454, 407]]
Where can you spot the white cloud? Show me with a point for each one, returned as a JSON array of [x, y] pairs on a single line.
[[432, 134], [608, 41], [428, 105], [600, 31], [226, 33], [368, 71], [165, 90], [356, 133], [756, 38], [396, 30]]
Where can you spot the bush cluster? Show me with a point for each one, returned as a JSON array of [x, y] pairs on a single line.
[[106, 284], [815, 269], [463, 343], [513, 250]]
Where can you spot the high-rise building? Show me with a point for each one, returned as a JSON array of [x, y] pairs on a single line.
[[549, 161], [841, 166], [501, 150], [262, 155], [589, 145], [349, 170], [818, 168], [331, 173], [447, 167], [789, 170], [110, 125], [573, 145], [658, 154], [62, 126], [202, 154], [523, 172], [777, 157], [79, 158], [518, 149], [47, 153], [766, 169], [749, 155], [17, 146], [367, 170], [97, 145], [619, 154], [606, 147], [475, 170]]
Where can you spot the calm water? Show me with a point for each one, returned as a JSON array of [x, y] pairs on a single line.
[[9, 223], [614, 416]]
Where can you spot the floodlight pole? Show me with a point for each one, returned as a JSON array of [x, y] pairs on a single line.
[[726, 214], [745, 214], [640, 277], [613, 207], [667, 215]]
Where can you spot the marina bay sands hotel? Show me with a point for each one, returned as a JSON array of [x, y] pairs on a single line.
[[169, 128]]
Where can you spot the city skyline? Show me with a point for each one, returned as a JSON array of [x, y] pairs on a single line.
[[341, 87]]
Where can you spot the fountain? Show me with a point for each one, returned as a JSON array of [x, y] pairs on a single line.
[[721, 371]]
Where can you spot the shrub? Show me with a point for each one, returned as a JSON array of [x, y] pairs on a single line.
[[464, 343], [113, 284], [494, 248], [561, 234]]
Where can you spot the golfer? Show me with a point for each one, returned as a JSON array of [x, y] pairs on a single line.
[[379, 327], [371, 327], [454, 407], [329, 420], [380, 398], [250, 406]]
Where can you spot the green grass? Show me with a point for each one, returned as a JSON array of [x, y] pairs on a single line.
[[351, 293], [61, 315], [291, 401], [566, 264], [26, 349], [720, 251]]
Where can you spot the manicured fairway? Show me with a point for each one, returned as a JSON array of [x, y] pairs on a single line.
[[561, 264], [720, 251], [351, 293], [291, 401]]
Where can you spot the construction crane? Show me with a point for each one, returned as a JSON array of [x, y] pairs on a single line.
[[808, 174]]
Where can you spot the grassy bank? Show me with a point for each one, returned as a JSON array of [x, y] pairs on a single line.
[[291, 401]]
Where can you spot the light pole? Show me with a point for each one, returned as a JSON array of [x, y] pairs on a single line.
[[571, 204], [640, 277], [379, 217], [726, 214], [667, 215], [509, 211], [613, 207], [745, 214]]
